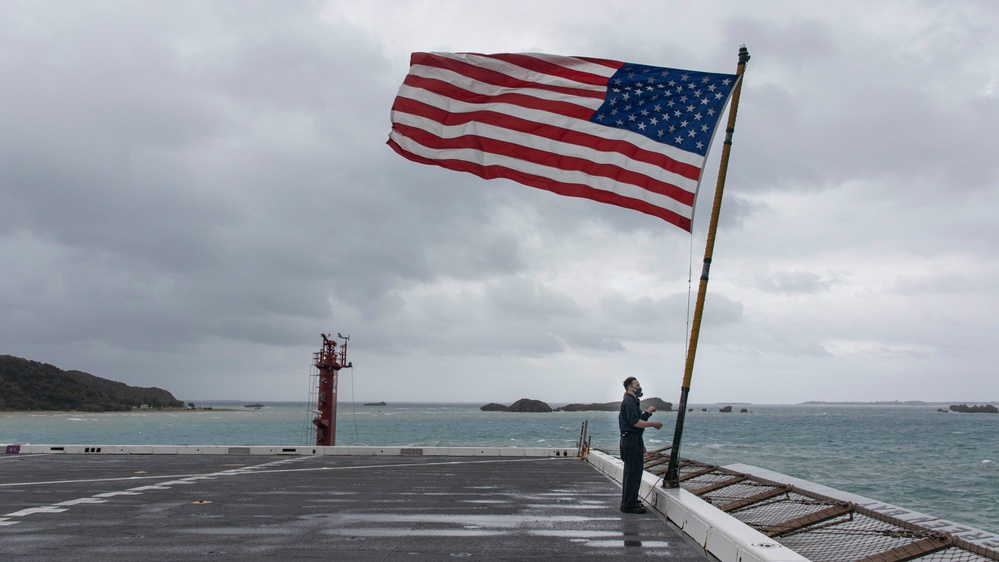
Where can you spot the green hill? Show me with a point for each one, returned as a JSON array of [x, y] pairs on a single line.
[[30, 385]]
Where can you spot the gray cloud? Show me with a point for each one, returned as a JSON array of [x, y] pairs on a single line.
[[190, 193]]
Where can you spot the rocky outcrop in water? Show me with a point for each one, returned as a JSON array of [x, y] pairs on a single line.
[[522, 405], [659, 403], [493, 407], [966, 409]]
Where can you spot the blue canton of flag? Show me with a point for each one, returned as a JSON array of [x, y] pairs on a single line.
[[680, 108]]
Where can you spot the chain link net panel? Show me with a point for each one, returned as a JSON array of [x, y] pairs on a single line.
[[820, 528]]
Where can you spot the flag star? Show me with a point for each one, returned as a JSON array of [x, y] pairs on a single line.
[[704, 128], [620, 123], [711, 112], [700, 145], [691, 133], [683, 99], [660, 133], [631, 117], [641, 126], [684, 123], [705, 101], [625, 96], [654, 121], [645, 112], [727, 81], [712, 88], [614, 111], [669, 103], [697, 116], [678, 113], [672, 83], [684, 77], [705, 80], [718, 96], [678, 140], [690, 108], [672, 129], [627, 107], [657, 108]]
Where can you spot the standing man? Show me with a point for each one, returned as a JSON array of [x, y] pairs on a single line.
[[632, 422]]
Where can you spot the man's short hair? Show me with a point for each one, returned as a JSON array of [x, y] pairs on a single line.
[[628, 381]]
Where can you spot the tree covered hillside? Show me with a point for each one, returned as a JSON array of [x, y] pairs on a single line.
[[30, 385]]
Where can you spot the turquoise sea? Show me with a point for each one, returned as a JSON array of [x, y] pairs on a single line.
[[942, 464]]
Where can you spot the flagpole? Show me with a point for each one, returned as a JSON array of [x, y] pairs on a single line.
[[672, 478]]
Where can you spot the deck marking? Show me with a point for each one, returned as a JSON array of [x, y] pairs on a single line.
[[99, 498], [82, 500], [30, 510]]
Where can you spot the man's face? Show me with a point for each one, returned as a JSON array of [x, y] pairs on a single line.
[[635, 387]]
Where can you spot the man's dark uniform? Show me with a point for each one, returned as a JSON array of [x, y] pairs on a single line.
[[632, 449]]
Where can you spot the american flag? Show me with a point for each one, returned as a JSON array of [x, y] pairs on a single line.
[[630, 135]]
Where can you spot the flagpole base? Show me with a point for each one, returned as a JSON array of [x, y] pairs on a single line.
[[672, 477]]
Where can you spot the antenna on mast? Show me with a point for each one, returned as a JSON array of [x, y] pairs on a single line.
[[328, 362]]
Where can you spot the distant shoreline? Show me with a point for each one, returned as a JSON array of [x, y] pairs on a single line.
[[133, 411]]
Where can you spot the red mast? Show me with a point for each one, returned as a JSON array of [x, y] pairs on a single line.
[[329, 363]]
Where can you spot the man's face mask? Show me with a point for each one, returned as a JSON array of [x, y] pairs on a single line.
[[638, 392]]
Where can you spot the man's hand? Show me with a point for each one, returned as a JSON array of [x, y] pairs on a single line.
[[657, 425], [651, 409]]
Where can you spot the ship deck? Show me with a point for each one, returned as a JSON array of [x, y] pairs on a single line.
[[255, 507]]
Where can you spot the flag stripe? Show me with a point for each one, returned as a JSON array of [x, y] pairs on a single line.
[[560, 186], [533, 69], [556, 104], [439, 80], [605, 176], [556, 123], [543, 143], [624, 142]]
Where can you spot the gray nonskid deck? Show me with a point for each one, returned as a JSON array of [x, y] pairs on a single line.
[[234, 507]]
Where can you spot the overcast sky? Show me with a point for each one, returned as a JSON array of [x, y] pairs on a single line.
[[192, 192]]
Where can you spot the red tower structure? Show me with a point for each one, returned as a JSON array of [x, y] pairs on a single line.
[[328, 362]]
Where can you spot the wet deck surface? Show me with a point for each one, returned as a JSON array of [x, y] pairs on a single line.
[[228, 507]]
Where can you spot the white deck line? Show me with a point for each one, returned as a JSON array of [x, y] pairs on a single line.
[[723, 536], [292, 450]]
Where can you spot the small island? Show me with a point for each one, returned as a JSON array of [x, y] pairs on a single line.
[[375, 404], [529, 405], [614, 406], [522, 405], [966, 409]]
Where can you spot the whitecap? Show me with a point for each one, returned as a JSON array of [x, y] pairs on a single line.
[[987, 461]]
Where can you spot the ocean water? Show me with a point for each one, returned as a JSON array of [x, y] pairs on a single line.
[[942, 464]]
